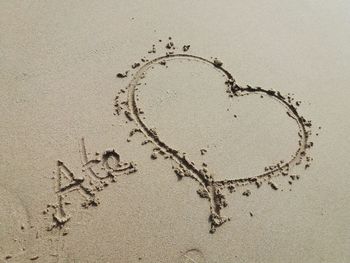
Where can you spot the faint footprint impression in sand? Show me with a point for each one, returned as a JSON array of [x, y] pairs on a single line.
[[210, 188]]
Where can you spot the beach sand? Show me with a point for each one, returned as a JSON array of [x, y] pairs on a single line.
[[174, 131]]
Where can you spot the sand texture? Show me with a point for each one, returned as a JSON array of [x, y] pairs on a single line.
[[174, 131]]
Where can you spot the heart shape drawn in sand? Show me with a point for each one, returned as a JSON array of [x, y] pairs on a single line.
[[211, 188]]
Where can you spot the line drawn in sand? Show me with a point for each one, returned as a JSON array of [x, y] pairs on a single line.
[[192, 256], [209, 187], [16, 228], [88, 183]]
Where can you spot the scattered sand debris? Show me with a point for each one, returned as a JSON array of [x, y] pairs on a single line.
[[121, 75], [170, 45], [59, 222], [146, 142], [273, 186], [203, 193], [231, 188], [153, 50], [91, 202], [219, 199], [185, 48], [179, 173], [65, 232], [216, 221], [153, 132], [133, 131], [135, 65], [246, 192], [128, 116], [294, 177]]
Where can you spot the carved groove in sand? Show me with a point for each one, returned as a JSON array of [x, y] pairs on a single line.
[[89, 182], [211, 189]]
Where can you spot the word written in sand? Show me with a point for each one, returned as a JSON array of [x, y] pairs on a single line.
[[97, 173]]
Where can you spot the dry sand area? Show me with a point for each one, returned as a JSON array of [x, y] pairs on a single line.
[[175, 131]]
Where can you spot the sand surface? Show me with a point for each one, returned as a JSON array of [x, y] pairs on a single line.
[[121, 143]]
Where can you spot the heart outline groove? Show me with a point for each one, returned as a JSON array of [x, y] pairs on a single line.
[[211, 189]]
